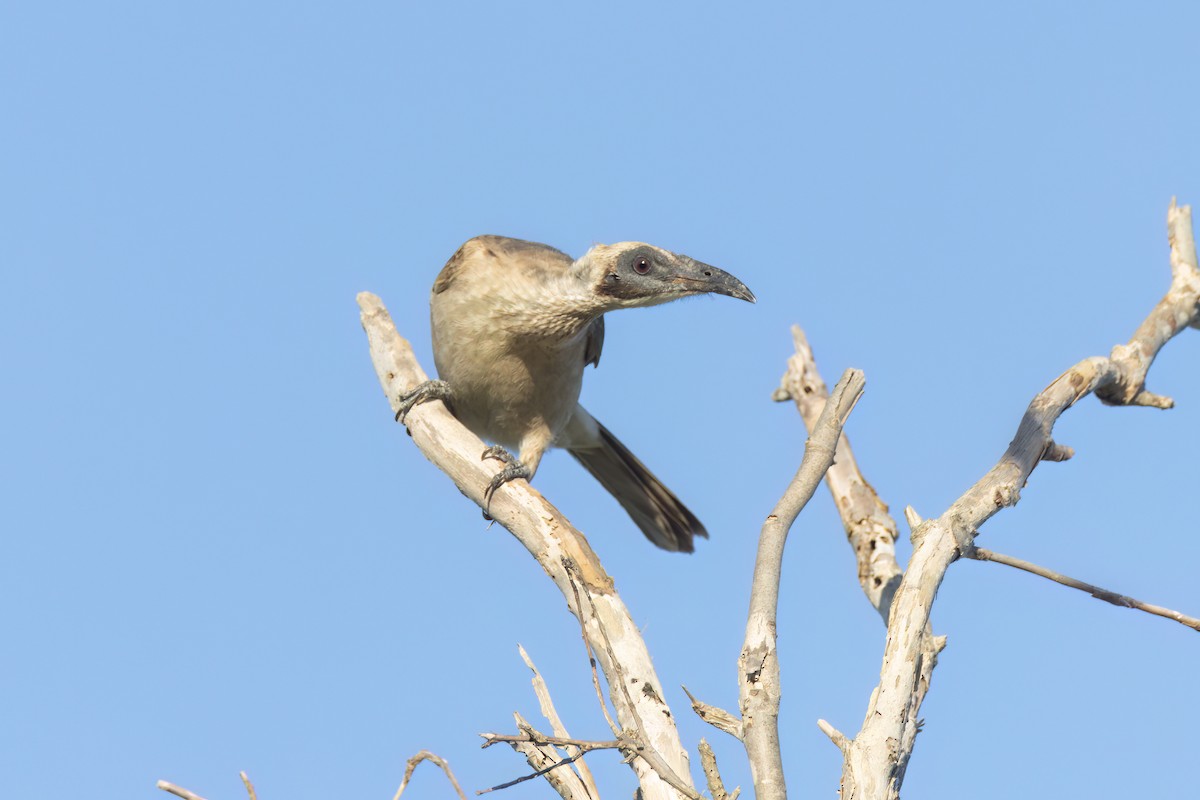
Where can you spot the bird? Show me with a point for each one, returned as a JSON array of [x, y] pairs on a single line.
[[514, 325]]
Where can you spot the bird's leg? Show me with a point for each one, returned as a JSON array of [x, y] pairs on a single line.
[[429, 390], [513, 469]]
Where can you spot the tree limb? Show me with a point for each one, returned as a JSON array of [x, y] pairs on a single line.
[[979, 554], [550, 539], [541, 755], [178, 791], [425, 755], [556, 724], [870, 529], [758, 666], [712, 775], [249, 786], [719, 718], [872, 767]]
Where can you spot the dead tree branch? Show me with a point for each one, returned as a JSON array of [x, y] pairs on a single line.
[[556, 724], [552, 541], [758, 666], [719, 718], [712, 775], [870, 529], [432, 758], [249, 786], [539, 751], [872, 767], [979, 554], [178, 791]]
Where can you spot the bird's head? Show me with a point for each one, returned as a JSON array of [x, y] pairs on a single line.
[[636, 274]]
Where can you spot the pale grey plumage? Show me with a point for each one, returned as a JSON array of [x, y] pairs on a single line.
[[514, 325]]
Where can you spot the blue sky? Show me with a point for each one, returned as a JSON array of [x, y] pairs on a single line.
[[220, 553]]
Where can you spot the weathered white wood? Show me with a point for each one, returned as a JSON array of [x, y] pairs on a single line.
[[758, 666], [556, 724], [872, 768], [560, 549], [870, 529], [544, 757]]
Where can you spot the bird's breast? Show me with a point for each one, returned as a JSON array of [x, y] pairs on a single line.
[[506, 380]]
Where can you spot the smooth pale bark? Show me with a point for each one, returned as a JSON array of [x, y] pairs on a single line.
[[560, 549], [872, 769], [758, 667], [870, 529]]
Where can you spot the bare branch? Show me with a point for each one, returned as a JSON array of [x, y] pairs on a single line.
[[719, 718], [870, 529], [425, 755], [628, 744], [531, 776], [758, 666], [544, 759], [912, 518], [550, 539], [249, 786], [979, 554], [587, 645], [533, 737], [645, 750], [872, 768], [716, 787], [835, 736], [556, 724], [657, 763], [178, 791]]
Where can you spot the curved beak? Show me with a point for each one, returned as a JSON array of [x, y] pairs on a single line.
[[696, 276]]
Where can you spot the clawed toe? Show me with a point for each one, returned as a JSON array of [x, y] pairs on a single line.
[[500, 454], [513, 470], [423, 393]]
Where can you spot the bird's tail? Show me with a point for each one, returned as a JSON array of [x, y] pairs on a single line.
[[662, 517]]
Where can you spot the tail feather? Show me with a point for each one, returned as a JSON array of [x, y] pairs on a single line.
[[653, 507]]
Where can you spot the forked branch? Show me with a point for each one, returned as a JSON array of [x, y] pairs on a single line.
[[872, 768], [758, 667]]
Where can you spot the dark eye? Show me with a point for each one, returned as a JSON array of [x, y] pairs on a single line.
[[641, 265]]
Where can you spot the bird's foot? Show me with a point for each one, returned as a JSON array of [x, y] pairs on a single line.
[[429, 390], [513, 470]]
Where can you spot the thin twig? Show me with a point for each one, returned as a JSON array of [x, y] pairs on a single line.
[[556, 724], [425, 755], [569, 569], [249, 786], [544, 756], [530, 776], [586, 745], [979, 554], [178, 791]]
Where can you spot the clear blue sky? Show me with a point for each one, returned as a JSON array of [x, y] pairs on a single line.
[[220, 553]]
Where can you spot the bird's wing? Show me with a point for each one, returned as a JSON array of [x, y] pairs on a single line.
[[595, 343]]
